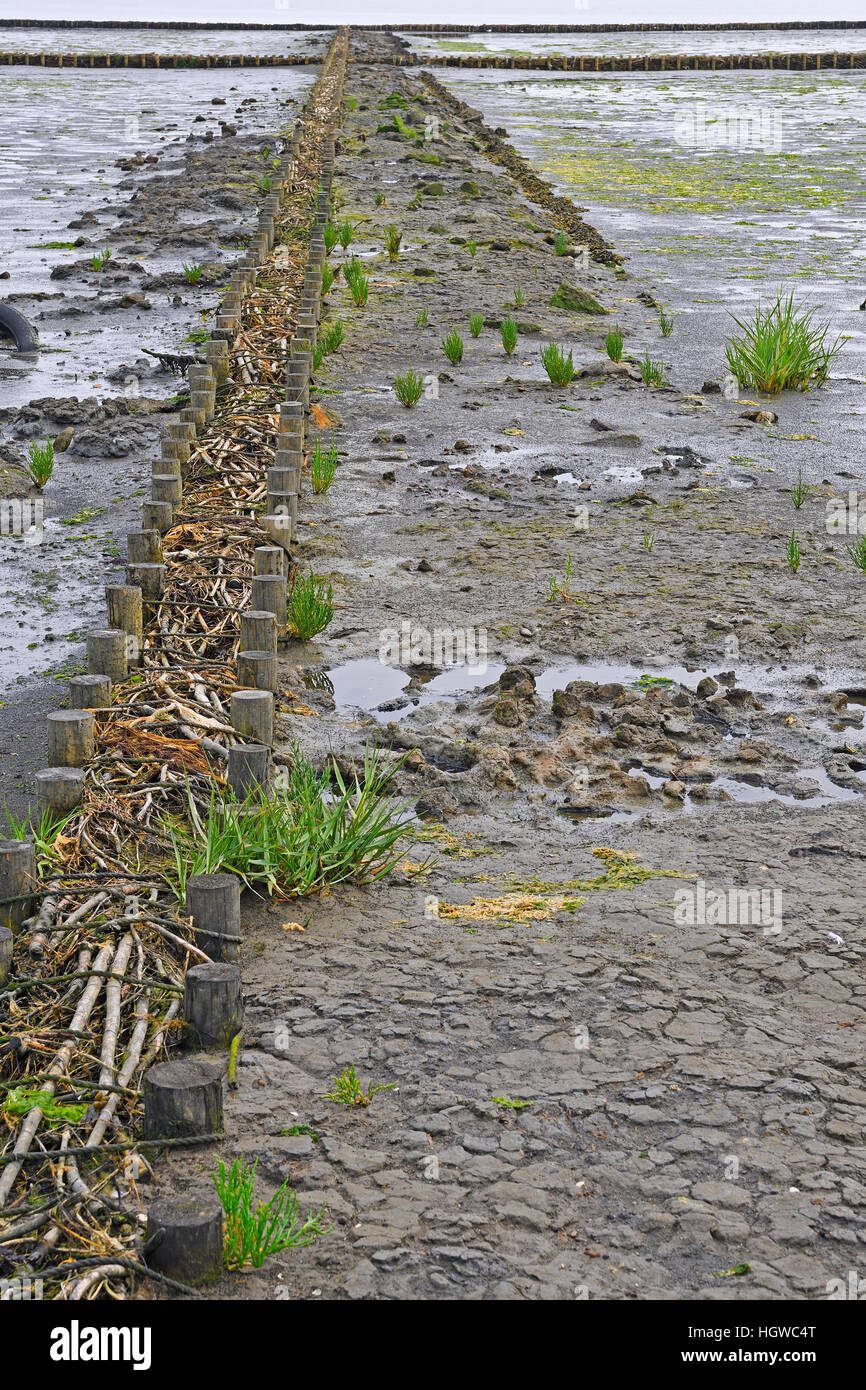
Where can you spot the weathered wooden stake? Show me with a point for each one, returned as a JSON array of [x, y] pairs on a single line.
[[183, 1100], [180, 429], [163, 467], [258, 670], [90, 692], [214, 903], [6, 945], [157, 516], [187, 1235], [59, 789], [17, 879], [175, 451], [213, 1003], [269, 595], [144, 548], [252, 715], [250, 769], [269, 559], [106, 654], [166, 487], [70, 737], [125, 611], [149, 578], [258, 631]]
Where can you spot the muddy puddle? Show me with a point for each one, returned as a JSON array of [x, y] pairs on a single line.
[[391, 692]]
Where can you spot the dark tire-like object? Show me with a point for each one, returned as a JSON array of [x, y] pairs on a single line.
[[15, 326]]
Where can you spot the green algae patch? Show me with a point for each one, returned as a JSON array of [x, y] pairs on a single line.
[[622, 870], [664, 183], [576, 300], [536, 900], [449, 844], [19, 1101]]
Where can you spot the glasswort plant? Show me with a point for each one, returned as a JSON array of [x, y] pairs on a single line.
[[409, 387]]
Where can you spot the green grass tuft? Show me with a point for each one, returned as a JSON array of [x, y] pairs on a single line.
[[252, 1233], [349, 1089], [393, 238], [452, 346], [310, 607], [409, 387], [653, 373], [613, 343], [779, 349], [559, 368], [323, 466], [40, 461], [509, 335], [316, 828]]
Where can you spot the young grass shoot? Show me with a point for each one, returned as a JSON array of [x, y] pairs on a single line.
[[409, 387]]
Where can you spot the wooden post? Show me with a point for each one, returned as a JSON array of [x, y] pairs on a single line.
[[269, 596], [173, 451], [252, 715], [214, 903], [269, 559], [157, 516], [125, 611], [149, 578], [17, 879], [183, 1100], [181, 429], [216, 353], [90, 692], [166, 487], [59, 789], [286, 478], [258, 670], [250, 769], [202, 402], [187, 1235], [70, 737], [258, 631], [144, 548], [6, 944], [166, 467], [106, 654], [213, 1003]]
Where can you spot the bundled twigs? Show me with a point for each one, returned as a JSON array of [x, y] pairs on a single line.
[[94, 997]]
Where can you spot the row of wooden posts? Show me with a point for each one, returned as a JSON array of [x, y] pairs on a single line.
[[553, 62], [183, 1098]]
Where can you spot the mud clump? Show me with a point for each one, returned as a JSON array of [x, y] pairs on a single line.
[[576, 300]]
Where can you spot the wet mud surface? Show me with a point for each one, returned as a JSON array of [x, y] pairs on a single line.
[[602, 1086], [646, 41], [130, 39], [166, 174], [712, 213]]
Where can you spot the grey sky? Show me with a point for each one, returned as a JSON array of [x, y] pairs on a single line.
[[441, 11]]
